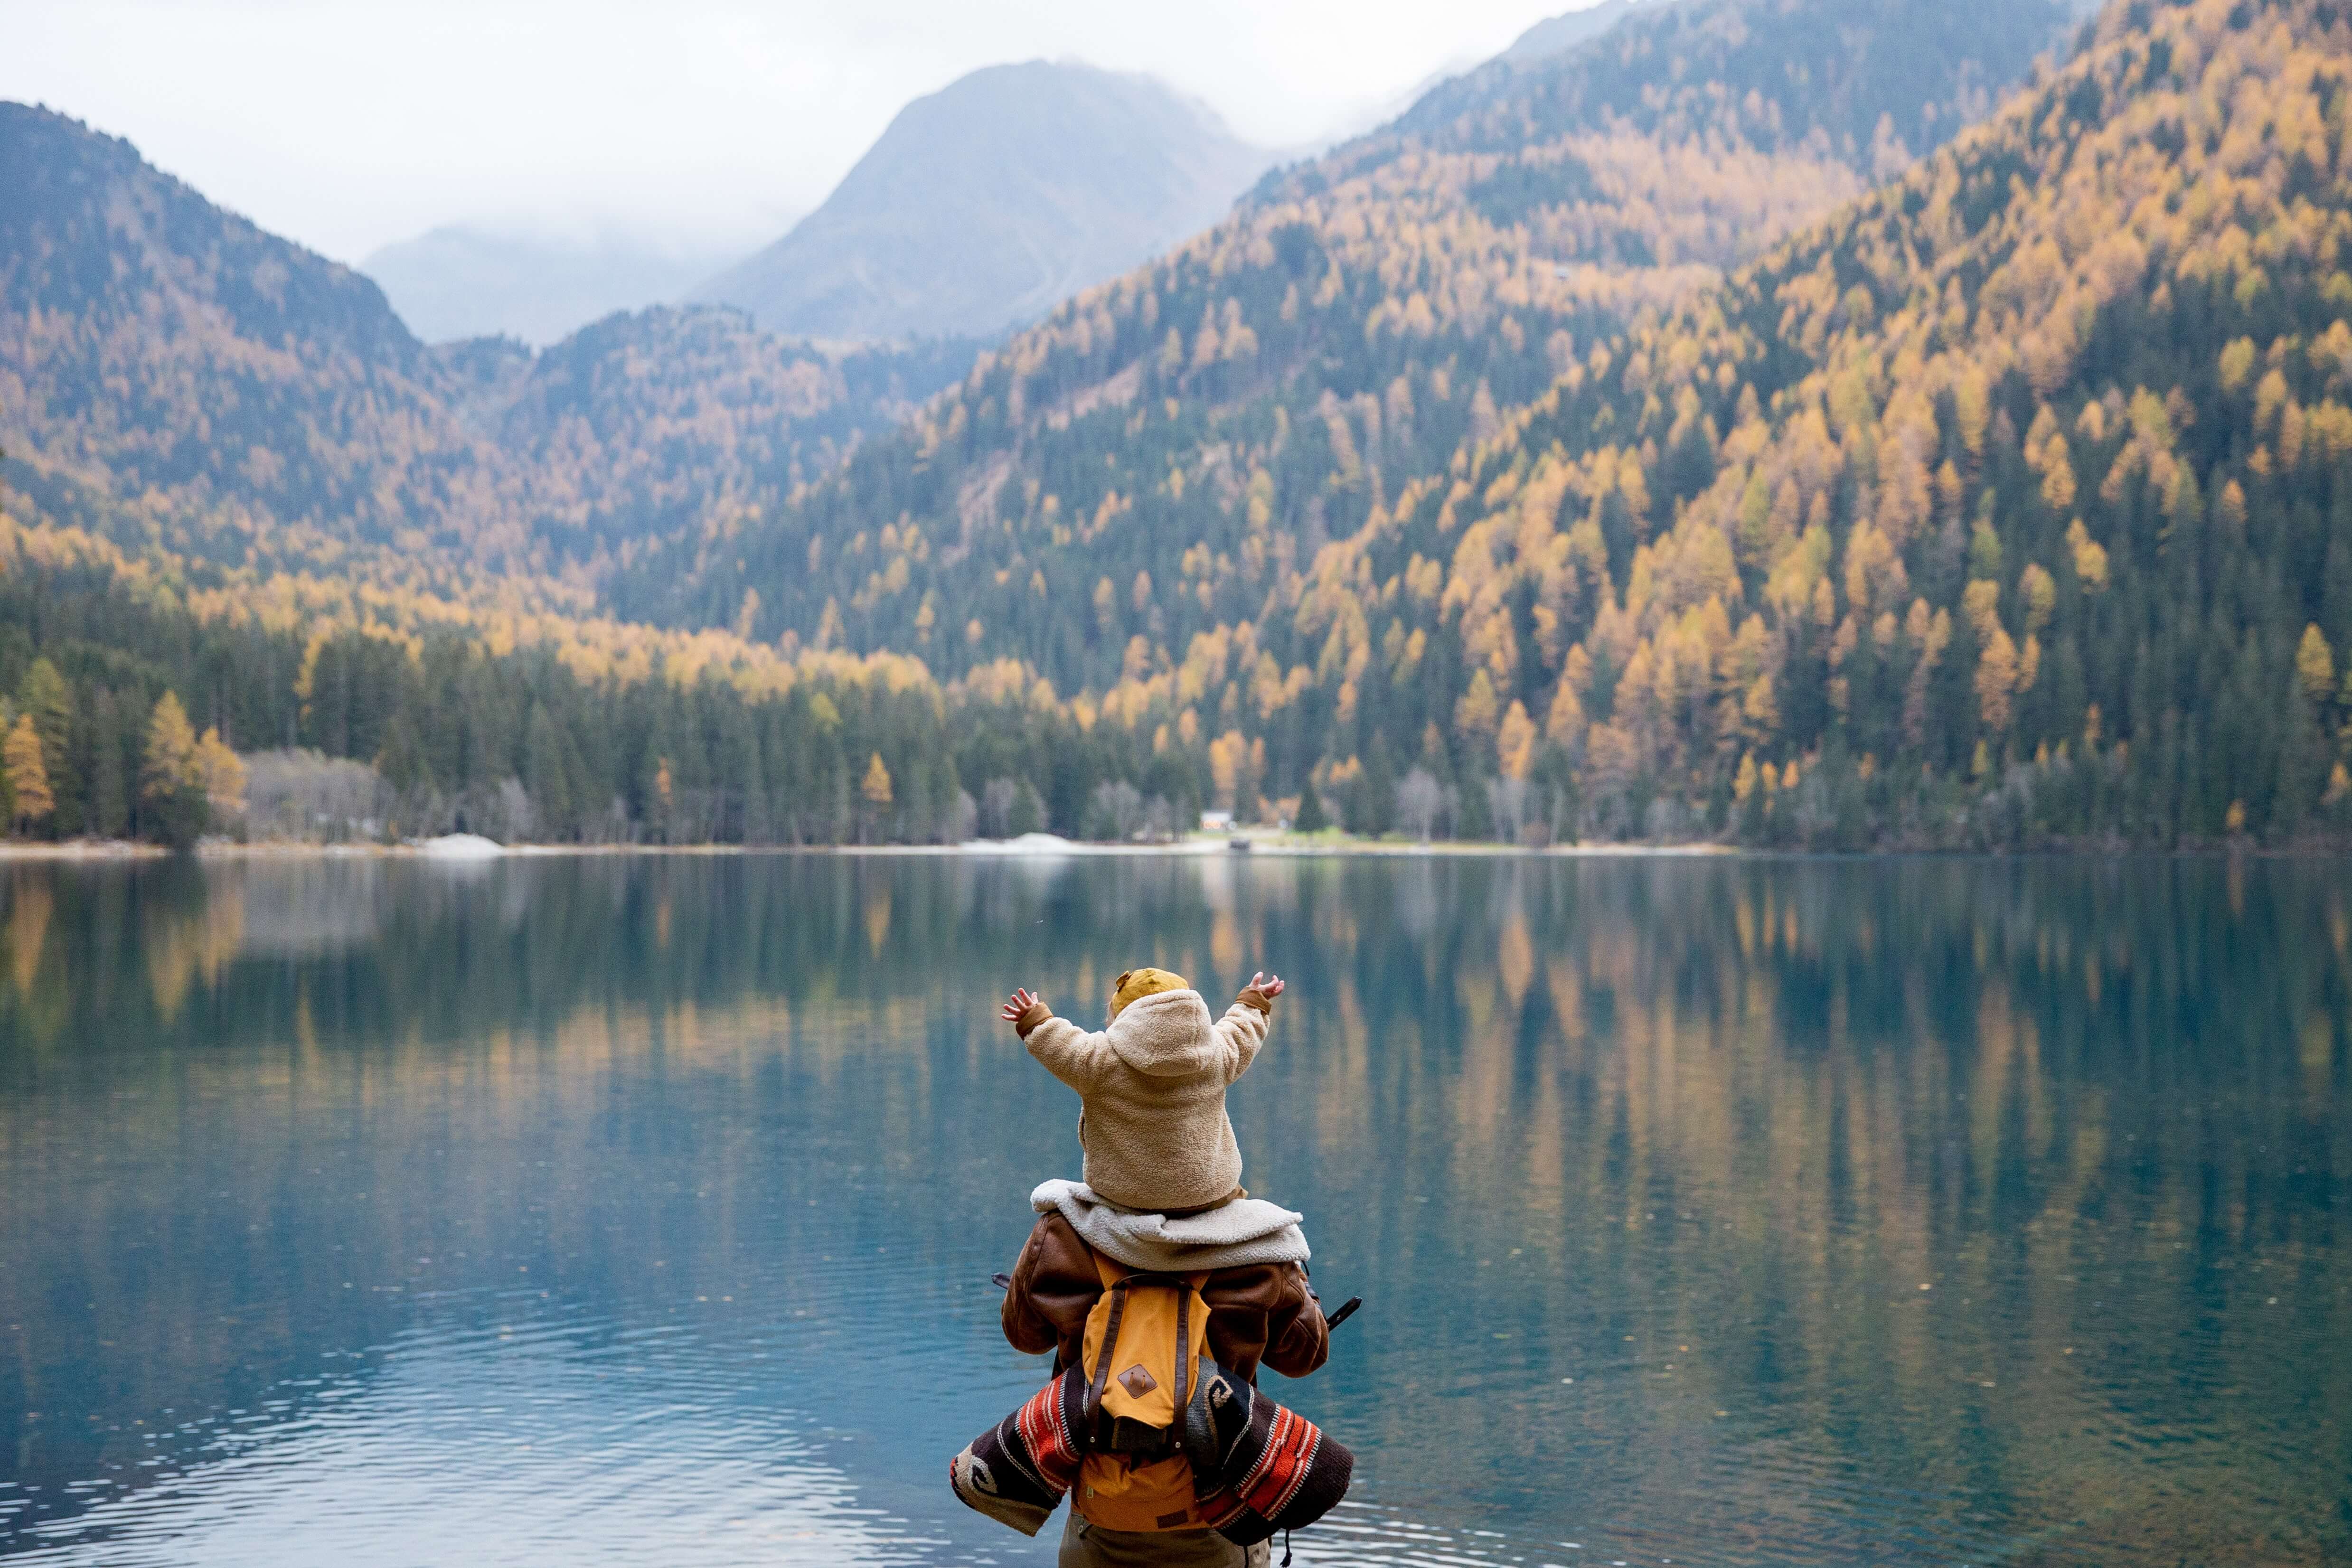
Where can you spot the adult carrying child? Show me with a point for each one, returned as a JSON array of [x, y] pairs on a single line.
[[1158, 1308]]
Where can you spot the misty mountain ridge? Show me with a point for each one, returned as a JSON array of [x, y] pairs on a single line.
[[536, 283], [1545, 41], [1285, 377], [1558, 35], [988, 203]]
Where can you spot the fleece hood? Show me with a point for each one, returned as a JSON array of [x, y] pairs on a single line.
[[1167, 1035]]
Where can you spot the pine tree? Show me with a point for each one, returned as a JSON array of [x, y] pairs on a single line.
[[875, 790], [28, 778], [2314, 665], [1311, 812], [47, 701], [221, 774], [107, 814], [545, 774], [170, 783]]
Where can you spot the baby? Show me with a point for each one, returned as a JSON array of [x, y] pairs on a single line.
[[1152, 1087]]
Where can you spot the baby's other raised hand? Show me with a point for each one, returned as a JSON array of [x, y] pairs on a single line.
[[1020, 1002], [1264, 984]]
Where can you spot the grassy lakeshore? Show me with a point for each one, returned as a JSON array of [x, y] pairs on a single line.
[[1331, 843], [1035, 846]]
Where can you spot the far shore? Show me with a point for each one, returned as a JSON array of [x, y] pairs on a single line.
[[1035, 846], [466, 849]]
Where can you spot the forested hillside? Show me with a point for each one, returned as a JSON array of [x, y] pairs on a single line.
[[168, 368], [172, 374], [1465, 481], [365, 715], [2014, 502], [2008, 505], [1555, 35], [1165, 455], [673, 419]]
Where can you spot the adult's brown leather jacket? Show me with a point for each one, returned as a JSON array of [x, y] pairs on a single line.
[[1258, 1312]]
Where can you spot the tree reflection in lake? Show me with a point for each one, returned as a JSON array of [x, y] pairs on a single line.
[[1875, 1209]]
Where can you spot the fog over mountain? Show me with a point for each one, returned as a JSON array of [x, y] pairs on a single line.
[[536, 284], [988, 203]]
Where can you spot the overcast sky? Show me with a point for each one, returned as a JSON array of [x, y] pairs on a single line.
[[349, 126]]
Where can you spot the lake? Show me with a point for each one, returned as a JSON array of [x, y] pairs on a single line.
[[641, 1211]]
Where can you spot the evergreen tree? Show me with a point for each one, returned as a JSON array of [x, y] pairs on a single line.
[[219, 772], [171, 782], [545, 775], [46, 698], [31, 802], [108, 813], [1312, 818], [874, 792]]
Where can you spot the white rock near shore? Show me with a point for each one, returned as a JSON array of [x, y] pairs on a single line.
[[461, 846]]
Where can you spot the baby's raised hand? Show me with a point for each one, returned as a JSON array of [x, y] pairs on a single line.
[[1020, 1002], [1264, 984]]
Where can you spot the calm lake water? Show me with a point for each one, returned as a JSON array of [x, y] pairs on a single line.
[[642, 1211]]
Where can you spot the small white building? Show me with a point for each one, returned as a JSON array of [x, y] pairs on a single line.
[[1216, 822]]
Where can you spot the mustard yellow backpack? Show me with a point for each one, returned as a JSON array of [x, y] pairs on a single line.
[[1146, 1344]]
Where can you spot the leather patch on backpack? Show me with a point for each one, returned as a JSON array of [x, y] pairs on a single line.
[[1137, 1382], [1171, 1521]]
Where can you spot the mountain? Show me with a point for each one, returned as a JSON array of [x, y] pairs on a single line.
[[1163, 457], [173, 376], [988, 203], [1558, 35], [168, 367], [1640, 443], [2013, 503], [465, 280], [677, 419], [2010, 504]]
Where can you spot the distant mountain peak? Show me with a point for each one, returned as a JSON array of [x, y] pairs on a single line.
[[538, 283], [987, 203]]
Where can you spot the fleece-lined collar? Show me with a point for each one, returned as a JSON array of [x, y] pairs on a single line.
[[1231, 1236]]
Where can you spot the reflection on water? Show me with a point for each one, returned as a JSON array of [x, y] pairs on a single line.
[[477, 1446], [642, 1210]]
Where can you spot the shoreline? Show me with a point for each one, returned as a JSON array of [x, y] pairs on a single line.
[[1042, 847]]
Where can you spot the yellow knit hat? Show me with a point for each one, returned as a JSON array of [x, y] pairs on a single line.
[[1139, 983]]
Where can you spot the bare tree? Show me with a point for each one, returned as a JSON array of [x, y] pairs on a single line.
[[996, 803], [1420, 801], [1512, 804], [1115, 812], [312, 798], [963, 821]]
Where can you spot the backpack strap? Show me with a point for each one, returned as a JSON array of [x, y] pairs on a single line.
[[1116, 1290]]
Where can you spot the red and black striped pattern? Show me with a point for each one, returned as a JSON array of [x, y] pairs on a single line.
[[1282, 1467], [1049, 1426]]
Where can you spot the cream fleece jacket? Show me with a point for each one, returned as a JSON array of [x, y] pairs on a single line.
[[1151, 1095]]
